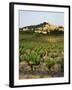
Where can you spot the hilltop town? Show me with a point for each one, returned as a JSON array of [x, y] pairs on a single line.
[[45, 28]]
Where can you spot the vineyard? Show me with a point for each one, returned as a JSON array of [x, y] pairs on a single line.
[[40, 56]]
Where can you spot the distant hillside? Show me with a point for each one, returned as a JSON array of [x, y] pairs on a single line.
[[44, 28]]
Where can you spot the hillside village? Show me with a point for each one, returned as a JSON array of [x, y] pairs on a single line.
[[45, 28]]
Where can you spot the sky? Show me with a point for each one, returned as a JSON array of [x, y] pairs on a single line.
[[27, 18]]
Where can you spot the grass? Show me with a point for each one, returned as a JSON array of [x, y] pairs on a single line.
[[39, 49]]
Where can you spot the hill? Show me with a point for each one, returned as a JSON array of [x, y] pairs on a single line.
[[45, 28]]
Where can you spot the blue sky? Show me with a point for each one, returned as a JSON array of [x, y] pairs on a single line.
[[27, 18]]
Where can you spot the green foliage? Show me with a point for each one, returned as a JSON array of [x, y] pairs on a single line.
[[34, 57], [33, 48]]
